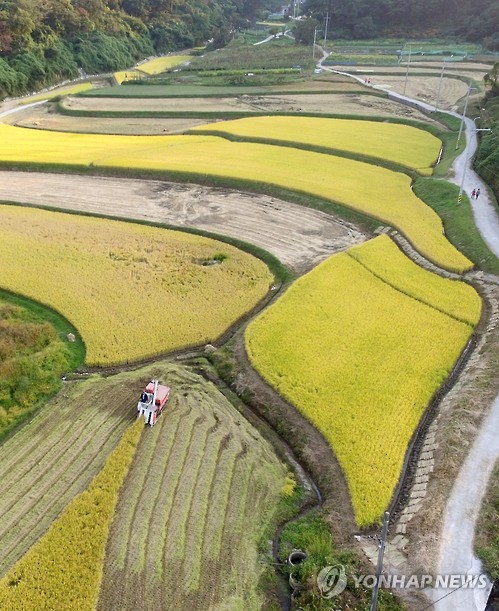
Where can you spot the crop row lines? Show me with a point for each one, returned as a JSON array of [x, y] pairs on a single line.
[[38, 523], [56, 478]]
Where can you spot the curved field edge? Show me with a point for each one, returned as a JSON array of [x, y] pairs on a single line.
[[35, 352], [64, 569], [32, 359], [62, 325], [281, 272], [364, 381], [203, 489], [362, 186], [401, 145], [459, 224], [151, 283], [385, 260]]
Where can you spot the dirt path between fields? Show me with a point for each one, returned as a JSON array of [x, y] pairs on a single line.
[[300, 237]]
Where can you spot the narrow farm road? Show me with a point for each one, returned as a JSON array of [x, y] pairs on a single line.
[[456, 554], [8, 109]]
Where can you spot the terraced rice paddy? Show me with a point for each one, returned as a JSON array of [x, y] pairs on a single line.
[[132, 291], [402, 144], [193, 509], [361, 359], [378, 192], [201, 489], [54, 457], [161, 64]]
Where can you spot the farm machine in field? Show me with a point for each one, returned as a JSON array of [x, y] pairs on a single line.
[[153, 399]]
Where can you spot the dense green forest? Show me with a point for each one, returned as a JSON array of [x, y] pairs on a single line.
[[470, 20], [46, 41]]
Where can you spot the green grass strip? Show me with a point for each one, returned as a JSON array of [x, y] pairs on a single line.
[[57, 320], [458, 221], [64, 569]]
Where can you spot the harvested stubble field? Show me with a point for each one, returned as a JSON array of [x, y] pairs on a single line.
[[424, 88], [298, 236], [193, 508], [321, 103], [55, 456], [409, 146], [132, 291], [366, 358], [372, 190], [43, 118]]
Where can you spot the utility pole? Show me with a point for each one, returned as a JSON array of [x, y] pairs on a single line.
[[466, 161], [325, 29], [315, 40], [379, 569], [407, 70], [439, 86], [464, 113]]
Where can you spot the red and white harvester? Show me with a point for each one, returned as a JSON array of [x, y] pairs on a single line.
[[153, 399]]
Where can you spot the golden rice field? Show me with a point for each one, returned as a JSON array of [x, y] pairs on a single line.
[[360, 359], [411, 147], [63, 570], [186, 528], [72, 89], [161, 64], [131, 290], [125, 75], [378, 192], [383, 258]]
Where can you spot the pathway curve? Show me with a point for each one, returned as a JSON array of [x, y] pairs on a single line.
[[456, 554]]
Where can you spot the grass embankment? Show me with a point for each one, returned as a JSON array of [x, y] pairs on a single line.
[[64, 569], [371, 190], [131, 290], [311, 534], [364, 381], [194, 507], [458, 221], [34, 352], [408, 146]]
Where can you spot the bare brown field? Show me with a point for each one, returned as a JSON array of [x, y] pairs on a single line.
[[55, 456], [202, 486], [300, 237], [422, 88], [42, 118], [340, 103]]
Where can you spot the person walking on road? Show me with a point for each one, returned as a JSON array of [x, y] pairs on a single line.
[[473, 193], [477, 193]]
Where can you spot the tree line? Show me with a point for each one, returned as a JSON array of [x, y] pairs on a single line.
[[45, 41], [470, 20]]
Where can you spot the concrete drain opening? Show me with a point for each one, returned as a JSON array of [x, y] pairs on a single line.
[[296, 557]]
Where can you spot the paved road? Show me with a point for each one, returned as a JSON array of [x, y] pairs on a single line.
[[461, 513], [10, 111]]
